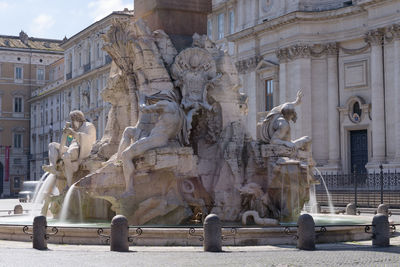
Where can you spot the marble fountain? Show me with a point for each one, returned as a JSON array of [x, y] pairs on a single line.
[[175, 149]]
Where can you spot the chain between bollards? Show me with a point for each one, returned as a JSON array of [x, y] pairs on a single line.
[[233, 233], [138, 231], [102, 236], [192, 233]]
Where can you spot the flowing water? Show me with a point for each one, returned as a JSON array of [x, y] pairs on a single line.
[[43, 192], [41, 181], [67, 203], [313, 200], [330, 203]]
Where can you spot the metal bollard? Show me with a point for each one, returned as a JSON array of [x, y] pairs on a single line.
[[119, 234], [306, 232], [383, 209], [39, 233], [212, 234], [351, 209], [380, 231], [18, 209]]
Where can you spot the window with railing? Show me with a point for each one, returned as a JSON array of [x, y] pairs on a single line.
[[18, 73], [269, 94], [18, 104], [231, 21], [40, 75], [221, 25], [209, 29], [17, 140]]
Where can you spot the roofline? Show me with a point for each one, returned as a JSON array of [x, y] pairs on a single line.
[[119, 13], [32, 50], [67, 83], [32, 38]]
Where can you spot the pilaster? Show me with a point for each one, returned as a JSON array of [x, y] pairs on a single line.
[[375, 38], [395, 34], [333, 113]]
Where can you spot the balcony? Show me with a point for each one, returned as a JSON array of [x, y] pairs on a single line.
[[68, 76], [86, 68]]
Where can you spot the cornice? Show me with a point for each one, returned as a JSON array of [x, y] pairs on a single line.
[[306, 51], [248, 64], [295, 17]]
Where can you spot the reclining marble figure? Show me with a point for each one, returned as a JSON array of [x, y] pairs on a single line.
[[84, 136], [275, 128], [171, 122]]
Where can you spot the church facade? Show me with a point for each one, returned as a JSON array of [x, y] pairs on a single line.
[[343, 55]]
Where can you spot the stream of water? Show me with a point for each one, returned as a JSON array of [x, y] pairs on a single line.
[[43, 190], [330, 203], [67, 202]]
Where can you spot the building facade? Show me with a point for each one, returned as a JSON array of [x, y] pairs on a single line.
[[344, 55], [77, 84], [23, 66]]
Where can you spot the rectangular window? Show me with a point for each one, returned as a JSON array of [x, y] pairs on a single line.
[[221, 26], [269, 95], [18, 104], [231, 22], [40, 75], [209, 29], [17, 140], [52, 75], [98, 51], [17, 182], [80, 59], [18, 73]]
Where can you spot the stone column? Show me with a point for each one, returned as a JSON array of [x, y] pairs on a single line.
[[396, 65], [282, 55], [375, 38], [301, 55], [333, 98]]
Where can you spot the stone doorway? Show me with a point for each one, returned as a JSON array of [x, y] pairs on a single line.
[[358, 151]]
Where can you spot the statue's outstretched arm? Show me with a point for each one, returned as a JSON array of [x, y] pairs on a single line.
[[298, 98]]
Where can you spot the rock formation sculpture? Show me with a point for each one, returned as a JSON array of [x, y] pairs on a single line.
[[175, 146]]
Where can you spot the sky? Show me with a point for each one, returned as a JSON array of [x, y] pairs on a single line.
[[54, 19]]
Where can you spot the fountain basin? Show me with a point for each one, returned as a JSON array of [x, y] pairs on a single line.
[[179, 235]]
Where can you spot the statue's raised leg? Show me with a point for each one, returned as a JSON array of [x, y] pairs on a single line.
[[136, 149]]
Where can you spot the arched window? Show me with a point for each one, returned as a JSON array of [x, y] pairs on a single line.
[[356, 109]]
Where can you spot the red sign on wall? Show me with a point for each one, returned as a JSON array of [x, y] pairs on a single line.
[[7, 163]]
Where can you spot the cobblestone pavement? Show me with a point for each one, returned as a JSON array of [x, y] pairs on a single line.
[[339, 254]]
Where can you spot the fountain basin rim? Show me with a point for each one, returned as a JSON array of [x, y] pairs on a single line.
[[245, 236]]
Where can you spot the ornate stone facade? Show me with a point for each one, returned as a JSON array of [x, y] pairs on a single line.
[[347, 51]]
